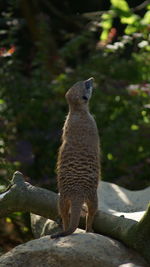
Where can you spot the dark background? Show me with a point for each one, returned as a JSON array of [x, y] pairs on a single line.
[[45, 47]]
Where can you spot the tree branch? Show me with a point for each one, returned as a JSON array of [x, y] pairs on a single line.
[[21, 196], [41, 34], [141, 6], [96, 14]]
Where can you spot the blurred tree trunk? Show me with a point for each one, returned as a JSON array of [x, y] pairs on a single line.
[[39, 27]]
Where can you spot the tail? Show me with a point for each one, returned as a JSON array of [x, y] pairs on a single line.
[[76, 205]]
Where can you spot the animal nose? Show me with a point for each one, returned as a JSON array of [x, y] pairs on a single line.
[[89, 83]]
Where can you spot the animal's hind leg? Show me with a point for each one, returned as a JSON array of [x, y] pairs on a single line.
[[92, 209], [64, 212]]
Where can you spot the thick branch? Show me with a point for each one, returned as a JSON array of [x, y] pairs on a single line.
[[132, 233], [22, 196], [138, 235]]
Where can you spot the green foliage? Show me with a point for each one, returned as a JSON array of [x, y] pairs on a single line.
[[33, 118], [134, 23], [32, 96], [122, 116], [45, 48], [106, 24]]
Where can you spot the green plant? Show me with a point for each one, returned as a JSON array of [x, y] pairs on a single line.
[[133, 22]]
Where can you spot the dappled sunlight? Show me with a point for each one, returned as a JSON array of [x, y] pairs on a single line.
[[113, 198], [45, 48], [129, 215], [4, 194], [121, 195]]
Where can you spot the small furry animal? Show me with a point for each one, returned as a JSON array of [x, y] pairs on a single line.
[[78, 165]]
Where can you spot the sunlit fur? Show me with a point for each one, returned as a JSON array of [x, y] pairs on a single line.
[[78, 165]]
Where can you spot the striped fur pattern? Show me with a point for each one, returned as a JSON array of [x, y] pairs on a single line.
[[78, 165]]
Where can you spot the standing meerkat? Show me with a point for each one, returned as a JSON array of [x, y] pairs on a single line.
[[78, 165]]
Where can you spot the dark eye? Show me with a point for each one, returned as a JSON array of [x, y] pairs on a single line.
[[85, 97]]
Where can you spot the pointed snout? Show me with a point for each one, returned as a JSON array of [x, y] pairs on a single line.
[[89, 83]]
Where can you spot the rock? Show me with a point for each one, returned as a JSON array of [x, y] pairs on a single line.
[[119, 201], [83, 249], [42, 226], [78, 249]]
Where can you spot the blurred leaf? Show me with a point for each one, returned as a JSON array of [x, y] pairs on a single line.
[[146, 18], [17, 213], [130, 19], [146, 119], [143, 112], [25, 229], [104, 35], [2, 188], [106, 22], [147, 48], [110, 156], [130, 29], [140, 149], [2, 101], [8, 220], [120, 4], [134, 127]]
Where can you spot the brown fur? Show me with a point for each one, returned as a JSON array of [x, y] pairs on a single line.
[[78, 166]]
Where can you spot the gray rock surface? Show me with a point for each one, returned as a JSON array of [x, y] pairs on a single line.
[[80, 249], [42, 226], [83, 249], [118, 201]]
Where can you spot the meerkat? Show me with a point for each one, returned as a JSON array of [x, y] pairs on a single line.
[[78, 165]]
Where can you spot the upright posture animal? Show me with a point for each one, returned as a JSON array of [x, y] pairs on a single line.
[[78, 166]]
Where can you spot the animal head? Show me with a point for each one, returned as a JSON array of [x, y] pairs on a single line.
[[80, 92]]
